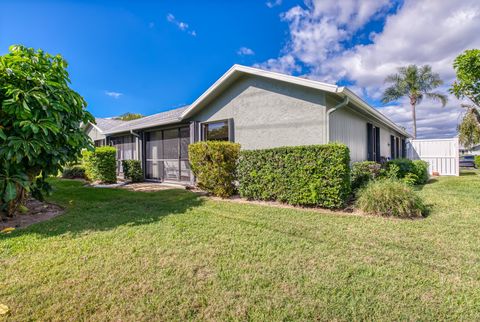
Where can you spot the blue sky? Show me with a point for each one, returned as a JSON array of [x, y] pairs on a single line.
[[150, 56], [135, 48]]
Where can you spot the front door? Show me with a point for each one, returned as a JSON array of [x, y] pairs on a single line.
[[167, 154]]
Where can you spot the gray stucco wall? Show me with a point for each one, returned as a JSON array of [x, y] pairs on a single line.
[[269, 113]]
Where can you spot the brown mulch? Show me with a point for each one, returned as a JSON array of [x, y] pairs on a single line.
[[37, 211]]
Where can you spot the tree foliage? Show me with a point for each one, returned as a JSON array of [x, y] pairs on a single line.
[[416, 83], [40, 123], [467, 85], [129, 116]]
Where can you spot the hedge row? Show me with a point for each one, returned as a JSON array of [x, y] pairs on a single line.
[[100, 164], [316, 175]]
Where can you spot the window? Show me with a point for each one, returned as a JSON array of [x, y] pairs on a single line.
[[392, 147], [395, 147], [404, 148], [216, 131], [99, 143], [373, 143]]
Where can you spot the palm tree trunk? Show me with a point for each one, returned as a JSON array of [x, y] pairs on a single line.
[[414, 116]]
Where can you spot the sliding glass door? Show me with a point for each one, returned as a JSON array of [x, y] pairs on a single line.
[[167, 154]]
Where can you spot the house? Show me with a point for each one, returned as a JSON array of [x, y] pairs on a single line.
[[258, 109], [97, 131]]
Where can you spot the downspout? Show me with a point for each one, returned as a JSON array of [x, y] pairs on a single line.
[[330, 111]]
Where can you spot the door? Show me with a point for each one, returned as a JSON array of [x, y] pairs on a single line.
[[167, 155]]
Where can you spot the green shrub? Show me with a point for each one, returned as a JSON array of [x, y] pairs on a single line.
[[132, 170], [74, 172], [100, 164], [214, 164], [316, 175], [363, 172], [477, 161], [390, 197], [404, 166], [410, 179], [420, 169]]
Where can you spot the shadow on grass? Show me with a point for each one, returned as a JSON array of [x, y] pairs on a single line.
[[468, 173], [96, 209]]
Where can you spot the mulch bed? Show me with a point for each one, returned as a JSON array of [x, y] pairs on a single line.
[[37, 211]]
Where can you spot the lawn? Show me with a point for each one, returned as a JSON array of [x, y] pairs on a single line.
[[170, 255]]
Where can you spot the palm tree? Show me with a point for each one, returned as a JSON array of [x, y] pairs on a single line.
[[416, 84]]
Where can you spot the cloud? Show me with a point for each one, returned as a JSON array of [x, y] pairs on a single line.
[[273, 3], [245, 51], [115, 95], [324, 40], [183, 26]]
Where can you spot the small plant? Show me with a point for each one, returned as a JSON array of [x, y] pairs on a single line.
[[420, 169], [363, 172], [477, 161], [100, 164], [74, 172], [214, 164], [410, 179], [390, 197], [132, 170]]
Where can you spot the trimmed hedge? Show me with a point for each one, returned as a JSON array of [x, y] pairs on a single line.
[[74, 172], [477, 161], [214, 164], [100, 164], [132, 170], [363, 172], [391, 197], [316, 175]]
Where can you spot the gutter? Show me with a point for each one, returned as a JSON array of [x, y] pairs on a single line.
[[134, 134], [327, 118]]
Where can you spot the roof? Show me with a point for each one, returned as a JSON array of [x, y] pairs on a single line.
[[238, 70], [233, 74], [162, 118], [106, 124]]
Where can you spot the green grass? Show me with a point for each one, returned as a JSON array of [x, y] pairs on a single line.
[[169, 255]]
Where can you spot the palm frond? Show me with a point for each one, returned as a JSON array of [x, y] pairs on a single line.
[[392, 93], [437, 97]]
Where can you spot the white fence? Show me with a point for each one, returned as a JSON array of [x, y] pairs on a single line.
[[442, 155]]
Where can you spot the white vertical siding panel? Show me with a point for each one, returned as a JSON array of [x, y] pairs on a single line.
[[347, 128]]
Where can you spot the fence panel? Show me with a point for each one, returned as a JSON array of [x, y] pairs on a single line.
[[442, 155]]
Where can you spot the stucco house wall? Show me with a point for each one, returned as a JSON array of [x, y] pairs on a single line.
[[268, 113]]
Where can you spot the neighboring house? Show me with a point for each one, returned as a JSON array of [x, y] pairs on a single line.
[[258, 109], [97, 131], [474, 150]]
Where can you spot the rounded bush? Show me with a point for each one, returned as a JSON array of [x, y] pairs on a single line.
[[132, 170], [214, 164], [420, 169], [100, 164], [390, 197], [363, 172], [74, 172]]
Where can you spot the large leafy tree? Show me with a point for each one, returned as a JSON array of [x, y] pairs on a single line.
[[467, 85], [416, 83], [40, 123], [129, 116]]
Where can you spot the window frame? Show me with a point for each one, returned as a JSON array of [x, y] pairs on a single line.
[[204, 129]]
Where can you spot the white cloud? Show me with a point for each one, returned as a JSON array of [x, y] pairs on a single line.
[[420, 32], [115, 95], [183, 26], [245, 51], [273, 3]]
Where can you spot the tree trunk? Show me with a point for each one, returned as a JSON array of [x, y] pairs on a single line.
[[414, 116]]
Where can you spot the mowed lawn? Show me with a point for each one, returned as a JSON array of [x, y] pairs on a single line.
[[170, 255]]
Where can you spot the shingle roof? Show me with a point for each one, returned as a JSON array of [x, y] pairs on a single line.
[[162, 118], [107, 124]]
